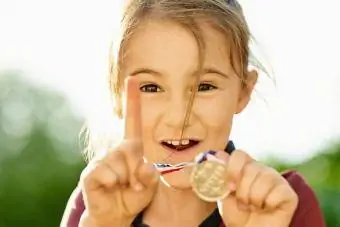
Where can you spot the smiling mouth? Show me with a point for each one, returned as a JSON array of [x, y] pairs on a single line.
[[180, 145]]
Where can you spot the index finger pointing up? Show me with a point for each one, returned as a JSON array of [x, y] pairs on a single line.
[[133, 120]]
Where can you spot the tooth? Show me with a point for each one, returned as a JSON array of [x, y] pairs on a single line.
[[185, 142], [175, 142], [168, 142]]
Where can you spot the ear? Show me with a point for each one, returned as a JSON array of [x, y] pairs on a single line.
[[246, 91]]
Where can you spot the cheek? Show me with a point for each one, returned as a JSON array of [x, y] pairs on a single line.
[[216, 114]]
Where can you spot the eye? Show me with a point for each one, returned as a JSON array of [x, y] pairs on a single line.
[[150, 88], [205, 87]]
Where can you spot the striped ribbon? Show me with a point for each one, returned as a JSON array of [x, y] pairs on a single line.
[[169, 168]]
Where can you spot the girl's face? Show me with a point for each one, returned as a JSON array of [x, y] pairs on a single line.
[[164, 57]]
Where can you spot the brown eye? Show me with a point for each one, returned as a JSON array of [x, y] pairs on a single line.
[[205, 87], [150, 88]]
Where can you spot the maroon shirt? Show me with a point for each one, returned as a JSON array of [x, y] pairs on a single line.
[[307, 214]]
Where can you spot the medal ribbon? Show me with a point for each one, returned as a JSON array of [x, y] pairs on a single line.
[[169, 168]]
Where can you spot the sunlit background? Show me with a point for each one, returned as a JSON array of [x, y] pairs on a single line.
[[53, 67]]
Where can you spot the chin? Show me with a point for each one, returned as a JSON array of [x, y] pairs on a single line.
[[178, 180]]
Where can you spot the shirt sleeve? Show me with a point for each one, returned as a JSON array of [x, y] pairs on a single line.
[[74, 209], [308, 212]]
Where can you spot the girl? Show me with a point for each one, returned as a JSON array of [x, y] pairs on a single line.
[[185, 67]]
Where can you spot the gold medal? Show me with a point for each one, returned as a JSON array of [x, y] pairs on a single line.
[[208, 180]]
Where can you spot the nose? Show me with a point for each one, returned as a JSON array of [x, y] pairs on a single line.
[[179, 110]]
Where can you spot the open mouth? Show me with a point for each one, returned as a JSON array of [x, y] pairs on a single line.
[[180, 145]]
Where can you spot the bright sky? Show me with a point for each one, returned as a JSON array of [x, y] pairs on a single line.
[[64, 44]]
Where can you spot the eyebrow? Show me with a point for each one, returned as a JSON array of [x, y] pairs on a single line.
[[208, 70]]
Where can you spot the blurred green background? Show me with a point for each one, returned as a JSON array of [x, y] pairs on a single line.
[[40, 158]]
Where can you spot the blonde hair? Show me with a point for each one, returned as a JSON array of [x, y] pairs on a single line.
[[224, 15]]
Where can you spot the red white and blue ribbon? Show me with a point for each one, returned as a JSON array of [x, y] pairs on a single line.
[[169, 168]]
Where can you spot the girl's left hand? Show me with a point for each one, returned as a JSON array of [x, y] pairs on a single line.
[[260, 195]]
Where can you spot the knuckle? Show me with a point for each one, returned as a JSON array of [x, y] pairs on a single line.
[[130, 145], [246, 173], [136, 144], [289, 191], [237, 163], [243, 192], [242, 195], [295, 199], [269, 176], [257, 199], [114, 155], [250, 168], [276, 196], [88, 173], [241, 155], [270, 204]]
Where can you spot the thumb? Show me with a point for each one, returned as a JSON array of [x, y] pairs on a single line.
[[147, 176]]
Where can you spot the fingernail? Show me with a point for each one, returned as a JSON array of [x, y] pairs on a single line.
[[223, 156], [138, 187]]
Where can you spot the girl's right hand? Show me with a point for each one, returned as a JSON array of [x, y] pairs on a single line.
[[119, 186]]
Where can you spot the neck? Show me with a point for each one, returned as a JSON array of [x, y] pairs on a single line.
[[177, 208]]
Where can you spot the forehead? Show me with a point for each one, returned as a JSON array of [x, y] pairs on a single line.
[[161, 43]]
